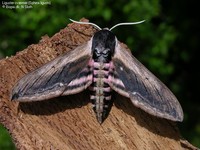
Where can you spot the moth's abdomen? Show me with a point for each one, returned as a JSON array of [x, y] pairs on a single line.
[[101, 91]]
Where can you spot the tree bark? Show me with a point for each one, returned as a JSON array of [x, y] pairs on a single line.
[[69, 122]]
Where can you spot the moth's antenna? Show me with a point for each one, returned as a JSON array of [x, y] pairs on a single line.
[[126, 23], [80, 22]]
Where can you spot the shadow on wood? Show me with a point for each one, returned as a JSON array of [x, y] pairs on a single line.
[[69, 122], [55, 105]]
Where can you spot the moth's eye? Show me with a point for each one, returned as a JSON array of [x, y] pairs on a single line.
[[106, 52], [97, 51]]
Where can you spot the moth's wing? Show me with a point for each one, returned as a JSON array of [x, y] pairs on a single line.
[[67, 74], [144, 89], [117, 85]]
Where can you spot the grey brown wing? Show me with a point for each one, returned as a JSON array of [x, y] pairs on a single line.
[[143, 88], [58, 77]]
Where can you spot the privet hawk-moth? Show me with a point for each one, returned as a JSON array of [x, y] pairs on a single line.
[[102, 64]]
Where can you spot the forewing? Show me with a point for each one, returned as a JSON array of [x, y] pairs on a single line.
[[145, 90], [58, 77]]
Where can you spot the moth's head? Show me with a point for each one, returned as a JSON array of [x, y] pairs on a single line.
[[104, 41], [103, 45]]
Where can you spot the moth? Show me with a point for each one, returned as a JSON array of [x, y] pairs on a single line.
[[101, 65]]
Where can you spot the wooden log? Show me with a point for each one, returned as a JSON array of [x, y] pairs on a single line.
[[69, 122]]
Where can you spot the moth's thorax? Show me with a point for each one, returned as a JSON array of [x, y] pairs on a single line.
[[103, 46], [100, 89]]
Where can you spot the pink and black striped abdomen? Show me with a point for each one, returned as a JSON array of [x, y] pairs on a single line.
[[100, 90]]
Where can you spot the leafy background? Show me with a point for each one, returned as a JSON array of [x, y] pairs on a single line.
[[167, 43]]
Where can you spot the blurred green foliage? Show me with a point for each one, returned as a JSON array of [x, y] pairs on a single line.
[[166, 43], [5, 140]]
